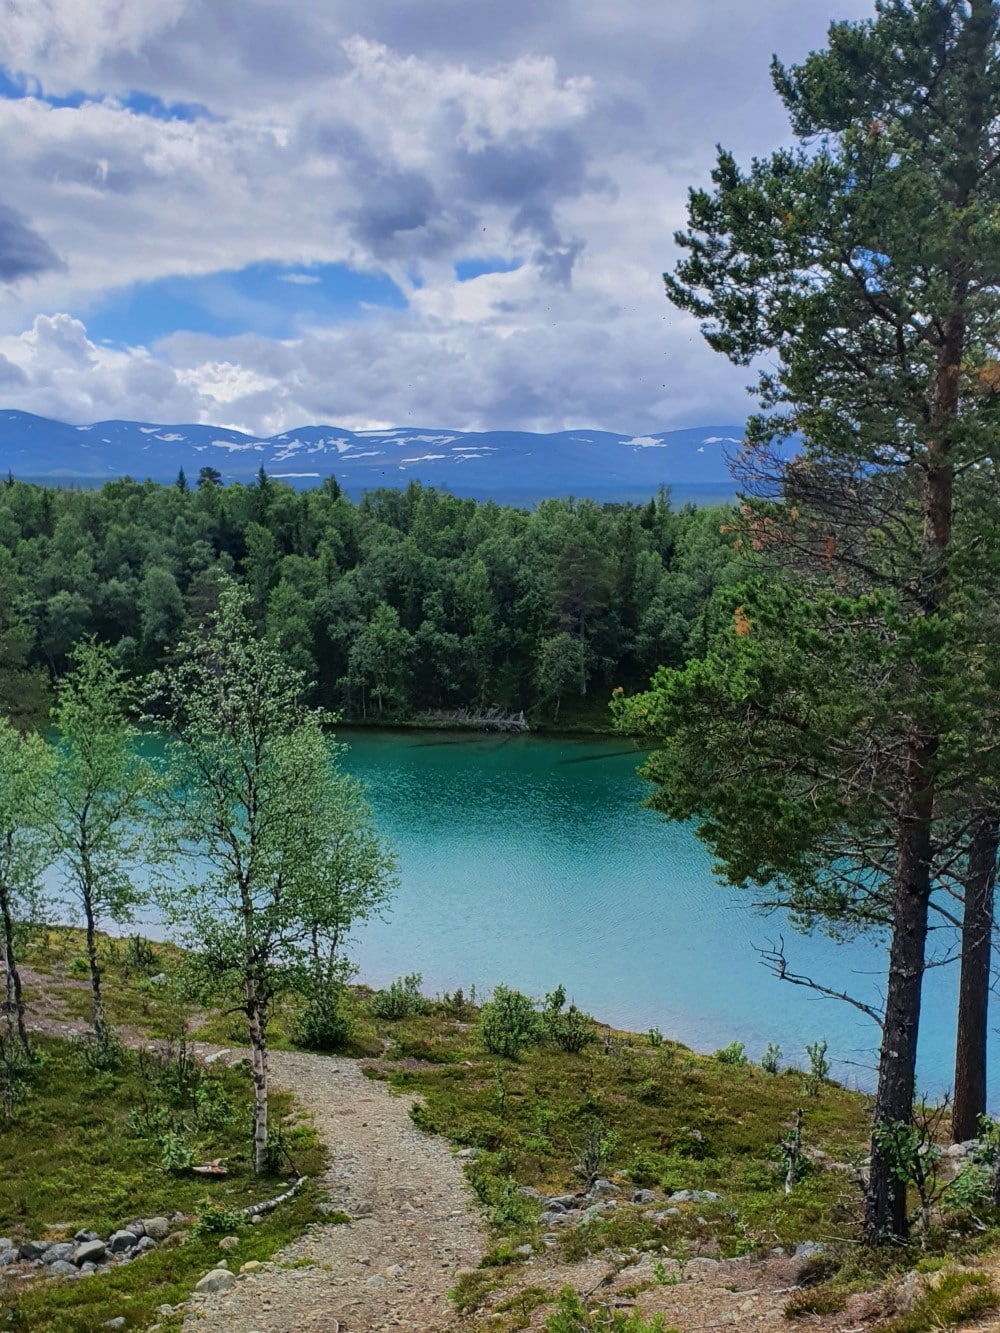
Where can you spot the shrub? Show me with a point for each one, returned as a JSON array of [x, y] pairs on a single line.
[[100, 1057], [571, 1031], [572, 1316], [175, 1155], [731, 1055], [325, 1023], [769, 1061], [819, 1065], [508, 1023], [401, 1000], [655, 1038], [215, 1221], [596, 1151]]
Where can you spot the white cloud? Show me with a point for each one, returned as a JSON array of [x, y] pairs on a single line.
[[398, 139]]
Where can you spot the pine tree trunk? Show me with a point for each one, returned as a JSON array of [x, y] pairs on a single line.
[[14, 1000], [885, 1199], [258, 1062], [974, 983]]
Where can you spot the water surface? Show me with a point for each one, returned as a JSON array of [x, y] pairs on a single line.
[[532, 862]]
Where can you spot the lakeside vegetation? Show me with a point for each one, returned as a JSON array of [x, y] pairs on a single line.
[[406, 603]]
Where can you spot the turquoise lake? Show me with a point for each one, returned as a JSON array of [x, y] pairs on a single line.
[[532, 862]]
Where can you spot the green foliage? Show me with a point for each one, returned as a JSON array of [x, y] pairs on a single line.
[[325, 1023], [655, 1038], [402, 999], [770, 1061], [597, 1148], [410, 602], [819, 1065], [571, 1031], [508, 1022], [176, 1156], [100, 1055], [732, 1055], [572, 1316], [215, 1221]]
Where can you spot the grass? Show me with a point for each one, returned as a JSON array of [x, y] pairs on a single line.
[[73, 1159], [668, 1118], [957, 1296]]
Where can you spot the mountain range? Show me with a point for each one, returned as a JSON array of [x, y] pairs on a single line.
[[506, 466]]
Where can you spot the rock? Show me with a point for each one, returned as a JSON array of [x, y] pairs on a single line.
[[119, 1241], [905, 1296], [32, 1249], [602, 1188], [161, 979], [808, 1249], [219, 1279], [144, 1244], [229, 1242], [554, 1206], [667, 1212], [156, 1227], [90, 1252], [88, 1268], [164, 1311], [525, 1251], [86, 1235], [694, 1196], [114, 1323], [466, 1153], [251, 1266], [61, 1251], [377, 1281], [61, 1268], [528, 1191], [643, 1196], [394, 1271], [697, 1270], [136, 1228], [554, 1219]]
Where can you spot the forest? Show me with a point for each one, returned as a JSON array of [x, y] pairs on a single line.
[[407, 603]]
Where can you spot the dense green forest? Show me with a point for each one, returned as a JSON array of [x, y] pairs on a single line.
[[405, 603]]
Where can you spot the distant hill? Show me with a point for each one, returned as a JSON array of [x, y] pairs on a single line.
[[507, 466]]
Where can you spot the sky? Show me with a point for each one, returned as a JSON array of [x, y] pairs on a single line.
[[372, 213]]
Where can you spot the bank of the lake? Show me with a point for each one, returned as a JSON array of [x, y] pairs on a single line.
[[531, 861]]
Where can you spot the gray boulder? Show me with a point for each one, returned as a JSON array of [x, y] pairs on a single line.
[[120, 1241], [567, 1202], [86, 1235], [32, 1249], [643, 1196], [219, 1279], [61, 1251], [156, 1227], [695, 1196], [552, 1219], [145, 1244], [90, 1252], [602, 1188], [61, 1268]]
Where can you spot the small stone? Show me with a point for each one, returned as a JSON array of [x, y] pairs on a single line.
[[699, 1269], [251, 1266], [219, 1279], [394, 1271], [88, 1268], [61, 1268], [695, 1196], [808, 1249], [86, 1235], [525, 1251], [119, 1241], [643, 1196], [32, 1249], [90, 1252], [164, 1311], [552, 1219], [157, 1227], [377, 1281], [136, 1228], [160, 979], [144, 1244], [114, 1323], [229, 1242], [528, 1191]]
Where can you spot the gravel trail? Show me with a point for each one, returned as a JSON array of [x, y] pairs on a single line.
[[413, 1226]]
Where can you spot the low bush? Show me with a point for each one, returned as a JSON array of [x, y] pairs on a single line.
[[401, 1000], [508, 1023]]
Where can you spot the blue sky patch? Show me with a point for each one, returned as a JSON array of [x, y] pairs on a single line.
[[466, 269], [269, 299], [143, 104]]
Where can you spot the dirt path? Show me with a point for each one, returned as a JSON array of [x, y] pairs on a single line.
[[414, 1221]]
